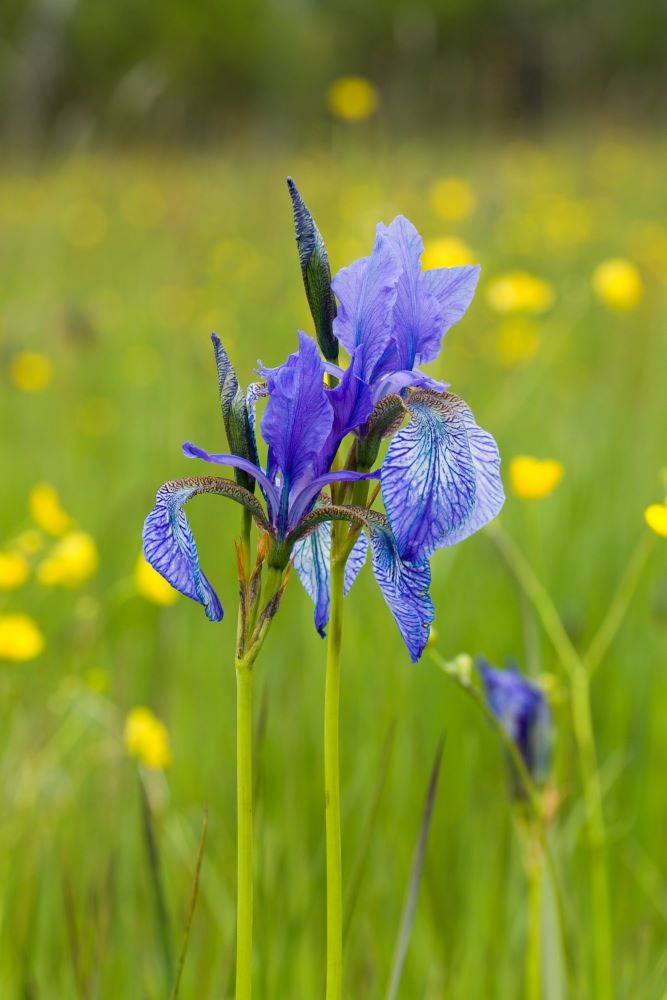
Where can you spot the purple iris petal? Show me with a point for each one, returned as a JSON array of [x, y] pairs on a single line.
[[366, 293], [523, 712], [311, 558], [454, 288], [352, 404], [302, 502], [272, 499], [396, 382], [298, 417], [404, 587], [441, 476], [170, 548]]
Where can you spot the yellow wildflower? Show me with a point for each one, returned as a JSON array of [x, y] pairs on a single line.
[[353, 98], [656, 518], [446, 251], [147, 739], [618, 284], [14, 570], [45, 510], [151, 585], [31, 371], [20, 639], [519, 291], [29, 542], [71, 561], [452, 198], [534, 478], [518, 340]]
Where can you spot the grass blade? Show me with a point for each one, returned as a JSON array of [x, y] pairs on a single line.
[[410, 904], [361, 862], [159, 902], [191, 908]]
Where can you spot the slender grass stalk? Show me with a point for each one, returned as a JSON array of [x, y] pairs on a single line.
[[155, 872], [410, 902], [191, 909], [582, 723], [334, 974]]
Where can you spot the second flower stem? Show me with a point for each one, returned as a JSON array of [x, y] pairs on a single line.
[[332, 780], [244, 829]]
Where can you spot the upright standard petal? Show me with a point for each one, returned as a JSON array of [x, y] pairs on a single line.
[[454, 288], [428, 303], [366, 293], [441, 475], [298, 417], [352, 405], [316, 274], [170, 548]]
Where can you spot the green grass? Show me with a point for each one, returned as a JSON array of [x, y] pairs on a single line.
[[126, 321]]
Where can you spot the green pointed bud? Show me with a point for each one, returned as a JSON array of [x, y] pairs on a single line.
[[234, 413], [316, 274]]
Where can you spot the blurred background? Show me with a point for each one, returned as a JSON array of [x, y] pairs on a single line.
[[142, 205]]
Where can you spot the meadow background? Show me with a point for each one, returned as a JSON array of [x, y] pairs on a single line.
[[125, 239]]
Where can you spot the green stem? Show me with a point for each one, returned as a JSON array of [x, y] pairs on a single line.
[[534, 872], [582, 722], [244, 830], [332, 779]]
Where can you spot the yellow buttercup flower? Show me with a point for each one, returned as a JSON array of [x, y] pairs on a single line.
[[519, 291], [71, 561], [20, 639], [534, 478], [618, 284], [14, 570], [45, 510], [353, 98], [151, 585], [446, 251], [31, 371], [452, 198], [656, 518], [518, 341], [147, 739]]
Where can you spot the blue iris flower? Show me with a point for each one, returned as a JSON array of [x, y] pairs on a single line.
[[303, 425], [440, 477], [523, 711]]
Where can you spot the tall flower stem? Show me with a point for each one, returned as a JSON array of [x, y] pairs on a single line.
[[244, 830], [534, 866], [332, 777], [247, 652]]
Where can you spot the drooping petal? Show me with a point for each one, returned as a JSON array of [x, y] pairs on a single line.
[[298, 417], [366, 293], [316, 273], [355, 561], [454, 288], [404, 586], [311, 557], [441, 475], [170, 548], [272, 499]]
